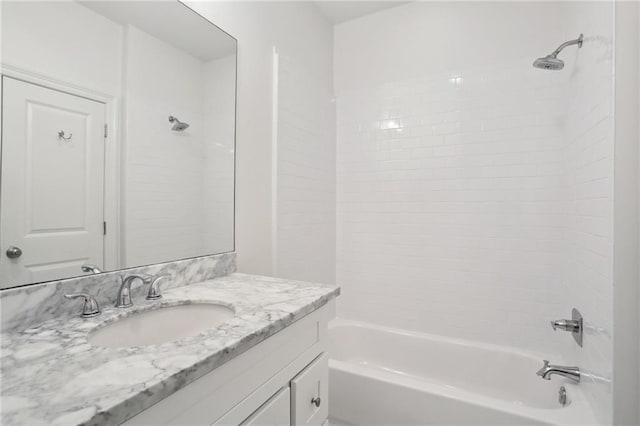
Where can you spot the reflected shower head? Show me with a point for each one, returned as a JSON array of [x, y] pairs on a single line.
[[178, 125], [551, 61]]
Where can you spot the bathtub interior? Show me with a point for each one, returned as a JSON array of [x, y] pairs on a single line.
[[373, 399], [486, 370]]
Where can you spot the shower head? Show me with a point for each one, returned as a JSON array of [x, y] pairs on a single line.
[[551, 61], [178, 126]]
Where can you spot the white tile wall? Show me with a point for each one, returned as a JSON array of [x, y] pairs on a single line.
[[306, 174], [589, 139], [476, 202], [449, 213]]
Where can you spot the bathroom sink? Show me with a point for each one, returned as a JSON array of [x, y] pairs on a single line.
[[161, 325]]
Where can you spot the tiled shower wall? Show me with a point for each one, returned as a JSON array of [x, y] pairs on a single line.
[[589, 149], [474, 191], [450, 218]]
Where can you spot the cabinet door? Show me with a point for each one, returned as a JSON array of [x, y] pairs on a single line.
[[275, 412], [310, 393]]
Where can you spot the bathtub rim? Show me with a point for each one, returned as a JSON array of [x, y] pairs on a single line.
[[469, 343]]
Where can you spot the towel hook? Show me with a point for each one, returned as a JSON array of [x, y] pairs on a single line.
[[62, 136]]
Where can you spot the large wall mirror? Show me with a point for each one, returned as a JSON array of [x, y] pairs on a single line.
[[118, 136]]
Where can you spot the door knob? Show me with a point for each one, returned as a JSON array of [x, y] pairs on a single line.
[[14, 252]]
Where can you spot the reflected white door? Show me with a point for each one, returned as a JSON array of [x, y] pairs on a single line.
[[52, 186]]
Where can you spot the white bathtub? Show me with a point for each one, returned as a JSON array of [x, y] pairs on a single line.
[[380, 375]]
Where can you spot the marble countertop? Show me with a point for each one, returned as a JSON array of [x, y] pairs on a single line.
[[51, 375]]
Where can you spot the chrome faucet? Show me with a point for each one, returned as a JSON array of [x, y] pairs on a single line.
[[90, 306], [89, 267], [123, 300], [547, 370], [154, 289]]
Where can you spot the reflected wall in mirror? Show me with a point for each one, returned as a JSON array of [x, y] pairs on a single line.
[[118, 136]]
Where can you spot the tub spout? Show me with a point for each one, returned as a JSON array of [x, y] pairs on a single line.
[[547, 370]]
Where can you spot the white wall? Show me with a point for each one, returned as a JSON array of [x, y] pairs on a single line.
[[305, 174], [298, 29], [474, 191], [54, 49], [626, 274]]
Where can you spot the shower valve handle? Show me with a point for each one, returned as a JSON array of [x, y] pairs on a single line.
[[566, 325], [575, 325]]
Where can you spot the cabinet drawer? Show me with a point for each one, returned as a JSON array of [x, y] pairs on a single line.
[[310, 393], [275, 412]]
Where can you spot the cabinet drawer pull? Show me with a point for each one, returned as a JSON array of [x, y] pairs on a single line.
[[316, 401]]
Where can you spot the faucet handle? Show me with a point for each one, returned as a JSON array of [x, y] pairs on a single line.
[[90, 307], [573, 325], [154, 289], [566, 325]]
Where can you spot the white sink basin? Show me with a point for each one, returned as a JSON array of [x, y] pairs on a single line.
[[161, 325]]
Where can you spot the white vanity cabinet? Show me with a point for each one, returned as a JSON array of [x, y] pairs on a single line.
[[280, 381], [276, 411]]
